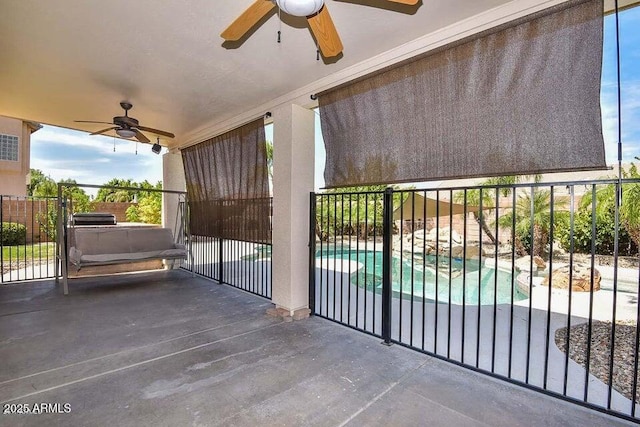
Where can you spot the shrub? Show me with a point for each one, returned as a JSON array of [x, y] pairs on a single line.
[[13, 233], [148, 209], [604, 237], [132, 213], [48, 221]]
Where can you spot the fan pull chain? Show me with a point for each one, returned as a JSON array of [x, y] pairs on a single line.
[[279, 24], [136, 148], [114, 143]]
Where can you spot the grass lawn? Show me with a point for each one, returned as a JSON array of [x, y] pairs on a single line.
[[35, 251]]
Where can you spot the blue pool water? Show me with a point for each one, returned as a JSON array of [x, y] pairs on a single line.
[[480, 285]]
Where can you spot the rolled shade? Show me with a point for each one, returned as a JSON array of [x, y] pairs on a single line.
[[523, 98], [228, 187]]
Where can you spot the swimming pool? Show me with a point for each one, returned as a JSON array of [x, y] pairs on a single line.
[[481, 285]]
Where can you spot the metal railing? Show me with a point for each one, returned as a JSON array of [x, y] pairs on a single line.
[[242, 264], [463, 274], [27, 238]]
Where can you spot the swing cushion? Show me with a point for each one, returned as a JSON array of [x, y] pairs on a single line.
[[114, 245]]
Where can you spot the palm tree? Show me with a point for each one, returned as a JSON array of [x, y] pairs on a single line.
[[532, 220], [490, 199], [118, 196], [630, 207], [475, 197]]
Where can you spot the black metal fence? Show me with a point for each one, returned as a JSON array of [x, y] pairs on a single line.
[[537, 284], [242, 264], [27, 238]]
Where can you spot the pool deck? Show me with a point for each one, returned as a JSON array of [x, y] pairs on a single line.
[[520, 346], [164, 348]]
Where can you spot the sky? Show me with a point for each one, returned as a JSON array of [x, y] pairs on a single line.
[[629, 22], [68, 154], [63, 153]]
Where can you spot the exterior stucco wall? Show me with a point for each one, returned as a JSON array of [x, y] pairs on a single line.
[[14, 175]]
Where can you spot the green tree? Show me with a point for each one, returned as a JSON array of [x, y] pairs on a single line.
[[149, 206], [111, 194], [150, 209], [46, 188], [78, 202], [605, 207], [604, 240], [630, 209], [269, 148], [490, 197], [533, 213], [353, 210], [38, 179], [118, 196], [79, 199], [487, 199]]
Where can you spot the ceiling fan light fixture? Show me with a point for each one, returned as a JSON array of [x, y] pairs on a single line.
[[300, 7], [156, 148], [125, 133]]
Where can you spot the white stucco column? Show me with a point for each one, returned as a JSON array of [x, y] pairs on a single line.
[[172, 179], [293, 179]]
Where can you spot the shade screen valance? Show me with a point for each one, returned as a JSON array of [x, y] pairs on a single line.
[[228, 187], [523, 98]]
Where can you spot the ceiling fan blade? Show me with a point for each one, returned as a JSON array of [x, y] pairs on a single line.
[[247, 20], [140, 136], [103, 131], [325, 33], [91, 121], [156, 131], [409, 2]]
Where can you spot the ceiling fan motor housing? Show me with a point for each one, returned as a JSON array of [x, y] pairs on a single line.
[[300, 7], [125, 121], [128, 127]]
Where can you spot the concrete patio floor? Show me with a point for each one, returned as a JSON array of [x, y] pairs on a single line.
[[164, 348]]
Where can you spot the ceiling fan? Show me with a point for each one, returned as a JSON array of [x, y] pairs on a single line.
[[315, 11], [128, 127]]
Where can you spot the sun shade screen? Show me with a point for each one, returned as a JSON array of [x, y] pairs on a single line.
[[521, 99], [228, 187]]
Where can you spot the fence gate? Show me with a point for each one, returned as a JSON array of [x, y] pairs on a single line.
[[27, 238]]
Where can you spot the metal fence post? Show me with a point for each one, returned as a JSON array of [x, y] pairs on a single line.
[[387, 252], [312, 253], [220, 260], [58, 234]]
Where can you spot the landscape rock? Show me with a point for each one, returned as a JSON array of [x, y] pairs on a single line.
[[524, 263], [472, 252], [580, 278], [444, 235]]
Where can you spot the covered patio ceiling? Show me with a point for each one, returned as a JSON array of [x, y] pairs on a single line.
[[63, 62]]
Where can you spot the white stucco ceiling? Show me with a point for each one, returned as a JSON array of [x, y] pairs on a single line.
[[67, 60]]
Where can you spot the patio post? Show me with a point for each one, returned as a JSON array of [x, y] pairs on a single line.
[[172, 179], [293, 179]]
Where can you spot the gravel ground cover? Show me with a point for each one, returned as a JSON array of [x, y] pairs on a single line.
[[625, 346]]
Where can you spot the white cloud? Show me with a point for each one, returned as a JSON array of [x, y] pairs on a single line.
[[76, 139], [67, 154]]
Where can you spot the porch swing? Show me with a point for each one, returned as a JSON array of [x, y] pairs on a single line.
[[96, 240]]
